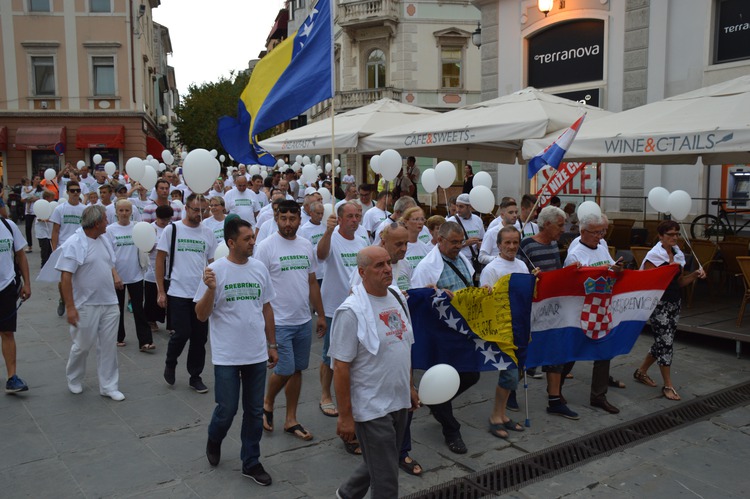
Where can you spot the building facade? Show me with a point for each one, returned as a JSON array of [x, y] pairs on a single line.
[[82, 77], [616, 54]]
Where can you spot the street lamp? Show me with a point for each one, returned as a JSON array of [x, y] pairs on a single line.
[[476, 36], [545, 6], [163, 120]]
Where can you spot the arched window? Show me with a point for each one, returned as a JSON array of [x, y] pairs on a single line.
[[376, 69]]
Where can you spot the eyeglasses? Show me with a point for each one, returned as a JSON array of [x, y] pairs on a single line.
[[596, 232], [74, 191], [194, 209]]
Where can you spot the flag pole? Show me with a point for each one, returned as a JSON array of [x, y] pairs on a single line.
[[333, 150]]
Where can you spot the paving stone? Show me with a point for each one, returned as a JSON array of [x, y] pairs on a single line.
[[42, 478]]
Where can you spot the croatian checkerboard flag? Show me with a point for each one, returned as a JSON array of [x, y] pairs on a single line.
[[554, 153], [592, 313]]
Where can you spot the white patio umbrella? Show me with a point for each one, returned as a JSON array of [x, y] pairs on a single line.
[[491, 131], [712, 123], [350, 127]]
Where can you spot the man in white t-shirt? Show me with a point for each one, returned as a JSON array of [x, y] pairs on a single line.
[[529, 228], [88, 280], [365, 198], [12, 244], [590, 253], [508, 216], [291, 263], [471, 224], [371, 340], [241, 201], [313, 230], [374, 216], [348, 178], [349, 195], [338, 248], [234, 295], [256, 190], [128, 266], [508, 241], [194, 247], [66, 219]]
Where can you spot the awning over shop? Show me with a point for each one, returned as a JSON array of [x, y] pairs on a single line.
[[100, 136], [43, 138], [3, 138], [154, 147]]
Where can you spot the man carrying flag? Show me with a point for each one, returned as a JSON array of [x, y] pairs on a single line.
[[293, 77], [554, 153]]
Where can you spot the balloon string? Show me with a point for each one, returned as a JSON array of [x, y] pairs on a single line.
[[687, 241], [447, 208]]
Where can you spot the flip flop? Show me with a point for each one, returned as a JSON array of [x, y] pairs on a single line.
[[498, 430], [121, 343], [513, 426], [670, 393], [267, 420], [644, 378], [409, 467], [148, 347], [329, 406], [299, 431], [353, 448]]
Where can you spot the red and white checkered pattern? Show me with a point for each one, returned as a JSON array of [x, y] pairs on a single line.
[[596, 319]]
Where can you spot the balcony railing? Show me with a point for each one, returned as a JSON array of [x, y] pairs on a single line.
[[352, 99], [366, 11]]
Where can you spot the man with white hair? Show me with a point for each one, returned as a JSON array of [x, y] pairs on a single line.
[[88, 278], [399, 207], [541, 252], [590, 253], [242, 202]]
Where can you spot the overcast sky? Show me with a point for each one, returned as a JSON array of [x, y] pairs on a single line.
[[211, 38]]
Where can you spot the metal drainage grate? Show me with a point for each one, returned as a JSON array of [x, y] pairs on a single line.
[[562, 457]]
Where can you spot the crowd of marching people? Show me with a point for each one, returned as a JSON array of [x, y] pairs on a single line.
[[292, 270]]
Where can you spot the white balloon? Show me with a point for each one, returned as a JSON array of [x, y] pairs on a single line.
[[200, 169], [161, 167], [280, 163], [317, 159], [253, 170], [336, 162], [165, 155], [375, 163], [310, 172], [658, 198], [97, 159], [319, 171], [53, 205], [81, 164], [42, 209], [264, 174], [390, 164], [149, 178], [214, 152], [328, 167], [222, 158], [327, 210], [338, 170], [482, 199], [439, 384], [326, 195], [482, 178], [445, 172], [144, 235], [231, 158], [110, 167], [588, 207], [177, 204], [50, 174], [222, 250], [295, 167], [429, 180], [305, 160], [135, 168], [679, 203], [298, 159]]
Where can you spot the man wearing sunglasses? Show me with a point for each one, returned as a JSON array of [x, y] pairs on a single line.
[[66, 219]]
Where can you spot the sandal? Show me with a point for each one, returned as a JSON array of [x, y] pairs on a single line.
[[411, 467], [644, 378], [148, 347], [267, 420], [299, 431], [670, 393], [498, 430], [353, 448], [513, 426], [616, 383], [329, 409], [121, 343]]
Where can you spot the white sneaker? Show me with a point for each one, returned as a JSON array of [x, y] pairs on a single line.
[[114, 395], [74, 388]]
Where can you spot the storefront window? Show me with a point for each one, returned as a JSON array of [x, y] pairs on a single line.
[[732, 40], [42, 160], [112, 155]]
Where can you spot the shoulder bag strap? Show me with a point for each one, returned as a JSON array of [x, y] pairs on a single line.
[[171, 249], [458, 273], [466, 235]]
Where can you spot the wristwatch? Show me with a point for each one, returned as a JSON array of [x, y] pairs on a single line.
[[273, 346]]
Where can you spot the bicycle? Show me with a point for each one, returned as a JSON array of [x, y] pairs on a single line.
[[709, 226]]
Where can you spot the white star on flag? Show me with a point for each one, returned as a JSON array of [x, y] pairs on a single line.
[[489, 355], [501, 366], [452, 322]]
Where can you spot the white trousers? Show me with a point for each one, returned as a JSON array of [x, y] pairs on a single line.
[[97, 325]]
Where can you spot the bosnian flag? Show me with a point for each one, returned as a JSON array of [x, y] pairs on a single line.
[[592, 313], [554, 153]]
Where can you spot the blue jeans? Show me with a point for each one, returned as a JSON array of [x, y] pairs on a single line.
[[227, 396]]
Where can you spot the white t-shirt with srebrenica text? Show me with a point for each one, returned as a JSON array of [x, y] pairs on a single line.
[[68, 217], [193, 248], [126, 252]]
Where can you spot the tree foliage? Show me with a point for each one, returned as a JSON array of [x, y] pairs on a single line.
[[199, 111]]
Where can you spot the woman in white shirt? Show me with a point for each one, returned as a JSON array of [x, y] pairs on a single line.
[[216, 221], [413, 219]]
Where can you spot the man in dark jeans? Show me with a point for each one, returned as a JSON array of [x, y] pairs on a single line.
[[193, 248]]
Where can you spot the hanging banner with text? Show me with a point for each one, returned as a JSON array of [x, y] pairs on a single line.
[[554, 183]]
